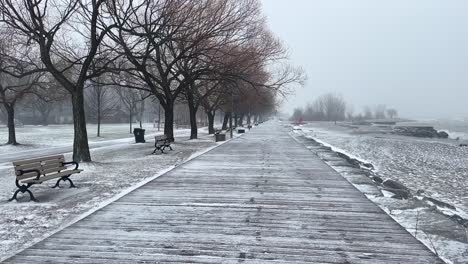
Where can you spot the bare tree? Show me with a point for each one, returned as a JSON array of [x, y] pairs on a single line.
[[298, 114], [101, 102], [368, 113], [334, 107], [45, 100], [144, 33], [43, 106], [3, 116], [12, 90], [210, 57], [392, 113], [130, 98], [212, 102], [379, 111], [16, 79], [173, 45], [349, 112], [68, 57], [143, 95]]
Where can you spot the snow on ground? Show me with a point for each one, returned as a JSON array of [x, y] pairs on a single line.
[[436, 166], [439, 167], [31, 137], [115, 169]]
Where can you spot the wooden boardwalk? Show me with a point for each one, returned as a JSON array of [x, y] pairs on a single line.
[[262, 198]]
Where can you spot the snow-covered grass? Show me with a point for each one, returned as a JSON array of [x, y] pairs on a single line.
[[31, 137], [115, 170]]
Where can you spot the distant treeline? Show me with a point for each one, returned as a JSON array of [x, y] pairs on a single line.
[[332, 107]]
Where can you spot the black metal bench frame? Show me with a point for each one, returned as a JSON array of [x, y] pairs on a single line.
[[24, 188], [162, 143]]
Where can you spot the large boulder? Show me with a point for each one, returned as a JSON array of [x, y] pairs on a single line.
[[460, 220], [442, 134], [416, 131], [377, 179], [398, 189], [394, 185], [399, 193], [440, 203], [368, 166]]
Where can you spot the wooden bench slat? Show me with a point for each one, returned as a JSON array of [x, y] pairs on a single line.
[[52, 176], [43, 171], [23, 162], [163, 137], [44, 164], [47, 166]]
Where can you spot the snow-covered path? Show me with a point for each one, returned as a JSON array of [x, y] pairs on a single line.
[[261, 198], [48, 151], [14, 155]]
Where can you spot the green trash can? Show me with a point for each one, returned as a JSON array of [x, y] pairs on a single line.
[[139, 134]]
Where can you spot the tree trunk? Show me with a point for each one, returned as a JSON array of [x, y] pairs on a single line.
[[248, 119], [159, 116], [241, 120], [193, 121], [192, 114], [226, 120], [99, 116], [45, 118], [11, 125], [130, 119], [142, 111], [169, 119], [80, 142], [211, 118], [235, 120]]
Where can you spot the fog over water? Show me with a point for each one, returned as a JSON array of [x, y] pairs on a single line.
[[410, 55]]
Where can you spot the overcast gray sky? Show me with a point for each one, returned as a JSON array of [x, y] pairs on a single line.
[[407, 54]]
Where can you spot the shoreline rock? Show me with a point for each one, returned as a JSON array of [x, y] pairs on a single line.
[[419, 131]]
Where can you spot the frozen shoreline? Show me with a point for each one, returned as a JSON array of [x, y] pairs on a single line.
[[436, 166], [437, 230]]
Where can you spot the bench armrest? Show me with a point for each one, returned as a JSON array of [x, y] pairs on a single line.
[[28, 171], [71, 162]]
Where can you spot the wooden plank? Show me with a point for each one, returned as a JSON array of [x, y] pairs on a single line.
[[52, 176], [41, 164], [159, 138], [45, 165], [262, 198], [43, 171], [22, 162]]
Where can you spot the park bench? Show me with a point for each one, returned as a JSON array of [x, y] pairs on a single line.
[[39, 170], [162, 142]]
